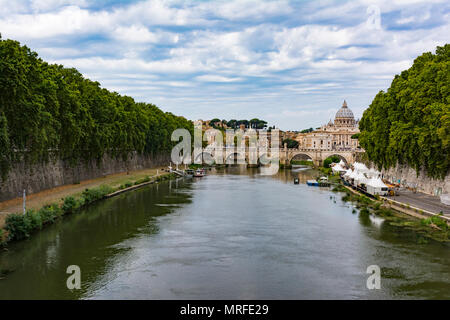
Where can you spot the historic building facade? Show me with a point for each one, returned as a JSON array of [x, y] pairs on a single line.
[[335, 135]]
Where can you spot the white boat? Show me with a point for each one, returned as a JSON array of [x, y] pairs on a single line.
[[189, 173], [199, 173]]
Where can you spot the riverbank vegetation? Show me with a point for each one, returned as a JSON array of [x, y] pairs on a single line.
[[254, 123], [410, 123], [328, 161], [290, 143], [20, 226], [48, 110], [432, 228]]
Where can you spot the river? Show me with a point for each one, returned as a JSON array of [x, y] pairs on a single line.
[[234, 234]]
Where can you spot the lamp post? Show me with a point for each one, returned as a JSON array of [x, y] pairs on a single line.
[[24, 202]]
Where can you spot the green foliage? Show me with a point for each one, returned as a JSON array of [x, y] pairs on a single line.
[[70, 204], [126, 185], [410, 123], [143, 180], [437, 221], [302, 162], [2, 237], [330, 160], [326, 171], [290, 143], [364, 210], [19, 226], [50, 213], [48, 110], [5, 151], [307, 130], [234, 124], [90, 195]]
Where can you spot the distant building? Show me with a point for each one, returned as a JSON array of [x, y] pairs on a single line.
[[335, 135]]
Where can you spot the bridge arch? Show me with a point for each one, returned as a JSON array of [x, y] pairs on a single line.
[[300, 156], [205, 157], [235, 158], [344, 157]]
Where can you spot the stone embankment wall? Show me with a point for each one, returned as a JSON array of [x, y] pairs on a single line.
[[42, 176], [408, 177]]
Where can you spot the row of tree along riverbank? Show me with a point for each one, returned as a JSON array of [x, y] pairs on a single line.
[[48, 111]]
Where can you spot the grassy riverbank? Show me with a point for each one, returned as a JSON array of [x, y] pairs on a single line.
[[18, 226], [426, 229]]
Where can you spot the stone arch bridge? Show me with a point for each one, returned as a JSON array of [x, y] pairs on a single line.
[[286, 155]]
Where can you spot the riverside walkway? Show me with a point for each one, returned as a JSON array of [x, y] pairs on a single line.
[[422, 201]]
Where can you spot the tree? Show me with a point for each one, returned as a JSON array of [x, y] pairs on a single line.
[[293, 144], [328, 161], [5, 151], [409, 123], [51, 110]]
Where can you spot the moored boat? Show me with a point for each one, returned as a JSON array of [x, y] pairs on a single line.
[[199, 173], [312, 183]]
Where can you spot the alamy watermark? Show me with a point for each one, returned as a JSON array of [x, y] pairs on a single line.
[[374, 280], [373, 21], [74, 280]]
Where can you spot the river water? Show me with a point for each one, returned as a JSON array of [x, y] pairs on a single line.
[[235, 234]]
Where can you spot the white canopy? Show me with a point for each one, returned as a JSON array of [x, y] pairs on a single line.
[[360, 167], [338, 168], [347, 174], [445, 199], [376, 183], [353, 175], [342, 163], [360, 178], [373, 173]]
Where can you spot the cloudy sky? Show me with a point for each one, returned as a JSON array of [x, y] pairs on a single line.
[[291, 63]]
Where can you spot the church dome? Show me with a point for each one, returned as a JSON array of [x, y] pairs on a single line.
[[344, 112]]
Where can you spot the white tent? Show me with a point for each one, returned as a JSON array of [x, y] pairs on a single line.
[[353, 176], [347, 174], [376, 186], [360, 179], [373, 173], [338, 168], [445, 199], [342, 164], [360, 167]]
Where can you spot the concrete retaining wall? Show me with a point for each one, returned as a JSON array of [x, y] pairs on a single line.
[[38, 177]]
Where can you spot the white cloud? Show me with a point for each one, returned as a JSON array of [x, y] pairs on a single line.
[[251, 56], [216, 78]]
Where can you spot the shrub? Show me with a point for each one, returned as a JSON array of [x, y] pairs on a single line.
[[70, 205], [126, 185], [2, 236], [376, 205], [35, 219], [439, 222], [143, 180], [18, 226], [385, 212], [50, 213], [91, 195], [364, 210]]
